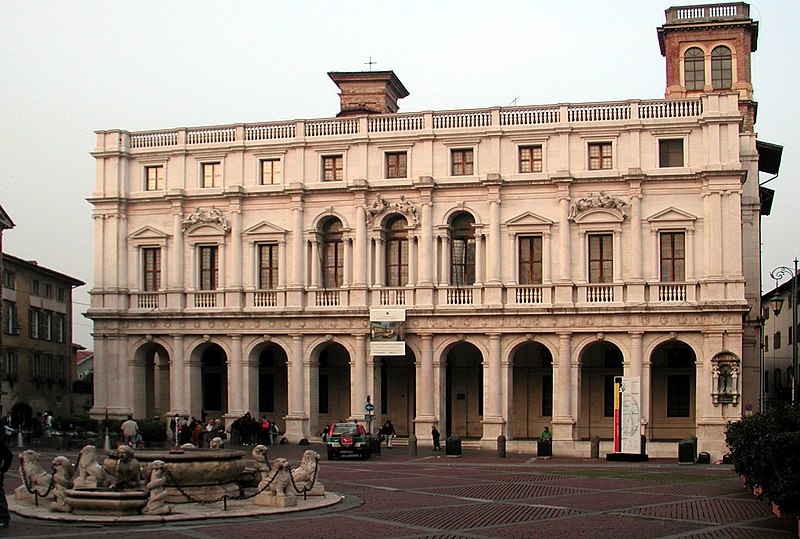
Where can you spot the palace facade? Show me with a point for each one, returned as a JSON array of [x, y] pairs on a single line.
[[535, 253]]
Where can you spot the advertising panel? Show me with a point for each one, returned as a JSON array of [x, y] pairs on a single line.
[[387, 335]]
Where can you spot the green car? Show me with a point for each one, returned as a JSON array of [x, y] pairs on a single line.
[[348, 439]]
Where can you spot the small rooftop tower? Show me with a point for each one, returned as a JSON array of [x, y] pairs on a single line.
[[368, 92], [708, 48]]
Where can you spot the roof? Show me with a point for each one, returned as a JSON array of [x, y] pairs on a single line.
[[33, 265], [769, 157], [5, 220]]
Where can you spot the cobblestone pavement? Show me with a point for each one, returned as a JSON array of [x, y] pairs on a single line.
[[477, 495]]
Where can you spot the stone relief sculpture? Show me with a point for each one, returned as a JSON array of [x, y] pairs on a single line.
[[158, 494], [380, 204], [602, 200], [213, 215], [63, 481], [90, 474], [725, 379], [34, 477]]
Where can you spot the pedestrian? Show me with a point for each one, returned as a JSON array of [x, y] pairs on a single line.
[[435, 435], [6, 458], [389, 432], [546, 435], [130, 429]]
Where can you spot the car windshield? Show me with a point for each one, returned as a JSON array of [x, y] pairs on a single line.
[[345, 428]]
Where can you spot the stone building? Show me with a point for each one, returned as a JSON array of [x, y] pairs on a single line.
[[530, 253], [36, 369]]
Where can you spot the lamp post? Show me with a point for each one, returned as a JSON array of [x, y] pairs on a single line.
[[776, 302]]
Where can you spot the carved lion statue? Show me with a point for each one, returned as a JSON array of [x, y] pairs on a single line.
[[34, 476], [89, 474], [63, 480], [307, 472], [281, 484]]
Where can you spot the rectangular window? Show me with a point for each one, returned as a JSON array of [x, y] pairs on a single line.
[[547, 396], [601, 258], [48, 290], [154, 178], [61, 294], [530, 158], [33, 323], [34, 287], [766, 343], [776, 340], [10, 321], [673, 257], [332, 168], [396, 261], [58, 327], [462, 162], [530, 260], [268, 266], [462, 252], [397, 165], [152, 269], [678, 395], [209, 267], [44, 325], [10, 364], [333, 263], [9, 279], [212, 174], [670, 153], [600, 156], [766, 382], [271, 170]]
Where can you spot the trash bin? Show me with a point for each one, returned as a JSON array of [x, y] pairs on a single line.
[[686, 451], [703, 458], [544, 448], [452, 447], [375, 445]]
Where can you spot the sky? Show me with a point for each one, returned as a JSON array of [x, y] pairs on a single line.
[[69, 68]]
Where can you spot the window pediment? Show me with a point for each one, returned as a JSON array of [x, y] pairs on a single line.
[[265, 230], [671, 217], [148, 235], [529, 219], [600, 215]]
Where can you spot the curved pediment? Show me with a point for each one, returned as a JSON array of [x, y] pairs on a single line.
[[600, 215], [205, 230]]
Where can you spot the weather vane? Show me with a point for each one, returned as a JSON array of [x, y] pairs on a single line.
[[370, 63]]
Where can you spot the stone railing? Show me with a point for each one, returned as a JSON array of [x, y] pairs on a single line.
[[625, 111], [738, 10]]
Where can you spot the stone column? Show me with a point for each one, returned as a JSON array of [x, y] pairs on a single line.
[[235, 261], [316, 271], [177, 377], [378, 263], [634, 370], [493, 395], [494, 248], [297, 414], [358, 374], [235, 378], [360, 249], [563, 239], [426, 247], [480, 254], [444, 278], [193, 385], [412, 261], [563, 389]]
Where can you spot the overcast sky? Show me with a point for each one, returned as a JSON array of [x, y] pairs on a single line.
[[70, 68]]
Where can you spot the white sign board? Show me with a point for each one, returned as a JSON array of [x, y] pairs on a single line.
[[631, 419], [387, 332]]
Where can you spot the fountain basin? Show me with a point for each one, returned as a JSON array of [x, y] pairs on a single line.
[[106, 502], [202, 474]]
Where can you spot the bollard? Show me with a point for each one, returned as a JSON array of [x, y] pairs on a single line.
[[596, 447], [412, 445], [501, 446], [107, 444], [20, 439]]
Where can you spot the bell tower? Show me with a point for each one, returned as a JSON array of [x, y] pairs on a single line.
[[708, 50]]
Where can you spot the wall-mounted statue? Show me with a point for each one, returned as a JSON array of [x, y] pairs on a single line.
[[602, 200]]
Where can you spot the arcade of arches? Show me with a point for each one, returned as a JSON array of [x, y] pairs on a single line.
[[476, 387]]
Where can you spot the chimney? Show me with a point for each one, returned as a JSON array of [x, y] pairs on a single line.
[[368, 92]]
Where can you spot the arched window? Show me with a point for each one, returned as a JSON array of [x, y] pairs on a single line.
[[694, 70], [396, 252], [721, 68], [332, 254], [462, 269]]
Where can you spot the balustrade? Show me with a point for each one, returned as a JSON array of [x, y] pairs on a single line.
[[393, 296], [327, 298]]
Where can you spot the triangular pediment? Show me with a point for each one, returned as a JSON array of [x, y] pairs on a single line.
[[264, 227], [672, 214], [529, 219], [148, 233]]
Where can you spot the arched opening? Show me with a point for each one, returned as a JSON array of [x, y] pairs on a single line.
[[332, 253], [273, 394], [397, 392], [464, 391], [694, 70], [600, 363], [396, 237], [672, 390], [462, 250], [156, 380], [333, 386], [721, 68], [532, 399], [214, 382], [22, 416]]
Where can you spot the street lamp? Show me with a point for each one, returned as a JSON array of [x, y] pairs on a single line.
[[776, 302]]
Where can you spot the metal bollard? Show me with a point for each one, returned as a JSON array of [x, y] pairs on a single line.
[[595, 447], [501, 446], [412, 445], [20, 439]]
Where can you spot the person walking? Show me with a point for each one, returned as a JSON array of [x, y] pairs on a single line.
[[435, 435], [6, 458], [130, 429]]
